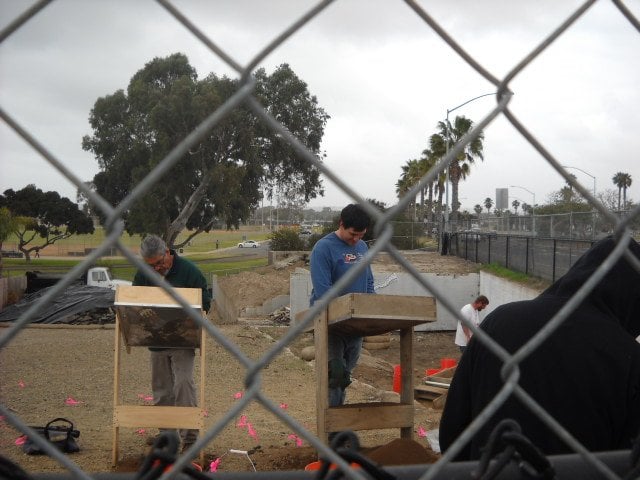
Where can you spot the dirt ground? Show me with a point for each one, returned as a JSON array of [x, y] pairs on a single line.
[[68, 371]]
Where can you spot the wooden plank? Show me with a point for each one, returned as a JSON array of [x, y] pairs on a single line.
[[369, 416], [155, 296], [160, 417], [429, 388], [321, 343], [406, 377], [427, 392], [438, 403], [369, 314]]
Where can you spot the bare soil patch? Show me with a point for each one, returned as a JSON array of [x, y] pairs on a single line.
[[46, 365]]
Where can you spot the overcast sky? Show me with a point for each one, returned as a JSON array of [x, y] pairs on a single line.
[[379, 71]]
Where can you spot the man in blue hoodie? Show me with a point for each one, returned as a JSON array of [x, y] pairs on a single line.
[[331, 258], [586, 374]]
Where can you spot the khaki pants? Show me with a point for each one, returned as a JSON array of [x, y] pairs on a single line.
[[173, 384]]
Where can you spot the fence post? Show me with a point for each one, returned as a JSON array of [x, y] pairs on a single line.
[[553, 269], [506, 253], [526, 264]]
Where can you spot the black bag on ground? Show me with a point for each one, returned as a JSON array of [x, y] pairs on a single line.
[[63, 437]]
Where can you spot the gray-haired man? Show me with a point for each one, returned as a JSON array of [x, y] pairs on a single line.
[[172, 380]]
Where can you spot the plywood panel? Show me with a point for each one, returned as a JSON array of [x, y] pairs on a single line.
[[149, 317]]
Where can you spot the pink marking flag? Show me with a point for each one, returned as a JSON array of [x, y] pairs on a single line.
[[21, 384], [205, 413], [296, 439], [213, 466], [21, 439], [242, 422], [422, 432], [284, 406], [141, 431], [72, 402], [252, 433], [238, 395]]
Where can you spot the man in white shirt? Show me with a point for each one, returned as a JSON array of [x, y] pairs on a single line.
[[470, 312]]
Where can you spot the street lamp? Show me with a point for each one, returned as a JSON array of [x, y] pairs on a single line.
[[533, 206], [586, 173], [446, 184], [593, 217]]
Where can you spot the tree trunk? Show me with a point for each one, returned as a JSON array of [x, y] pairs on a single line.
[[454, 198], [190, 206]]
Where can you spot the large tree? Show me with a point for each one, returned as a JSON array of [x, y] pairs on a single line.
[[622, 181], [460, 166], [219, 178], [43, 218]]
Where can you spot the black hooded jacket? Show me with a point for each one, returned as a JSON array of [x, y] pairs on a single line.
[[586, 374]]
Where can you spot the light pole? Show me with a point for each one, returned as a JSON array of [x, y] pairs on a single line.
[[593, 216], [586, 173], [533, 207], [446, 183]]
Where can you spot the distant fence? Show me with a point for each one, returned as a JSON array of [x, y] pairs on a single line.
[[547, 258], [570, 225]]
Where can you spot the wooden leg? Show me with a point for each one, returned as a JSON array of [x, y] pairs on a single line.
[[322, 374], [116, 389], [203, 342], [406, 364]]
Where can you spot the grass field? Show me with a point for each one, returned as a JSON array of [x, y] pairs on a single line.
[[62, 256], [201, 243]]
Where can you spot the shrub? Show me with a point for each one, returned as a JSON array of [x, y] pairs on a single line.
[[286, 240]]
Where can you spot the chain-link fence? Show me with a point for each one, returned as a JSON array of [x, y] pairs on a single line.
[[590, 463], [567, 226], [546, 258]]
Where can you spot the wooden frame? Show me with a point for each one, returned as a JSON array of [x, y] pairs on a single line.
[[363, 315], [150, 317]]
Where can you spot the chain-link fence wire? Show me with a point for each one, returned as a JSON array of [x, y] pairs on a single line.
[[114, 225]]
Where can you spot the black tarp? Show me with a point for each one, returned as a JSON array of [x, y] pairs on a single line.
[[74, 299]]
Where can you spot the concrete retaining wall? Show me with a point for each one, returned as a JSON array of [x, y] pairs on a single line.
[[457, 289]]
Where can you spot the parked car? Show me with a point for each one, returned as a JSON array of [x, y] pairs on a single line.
[[248, 244]]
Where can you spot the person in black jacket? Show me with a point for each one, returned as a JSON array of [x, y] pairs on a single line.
[[586, 374]]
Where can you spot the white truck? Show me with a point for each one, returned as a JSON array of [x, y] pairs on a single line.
[[101, 277], [94, 277]]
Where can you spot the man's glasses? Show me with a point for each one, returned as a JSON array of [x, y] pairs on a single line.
[[158, 263]]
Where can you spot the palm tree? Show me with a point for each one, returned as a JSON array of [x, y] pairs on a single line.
[[515, 204], [478, 209], [460, 166], [412, 172], [488, 203], [622, 181]]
